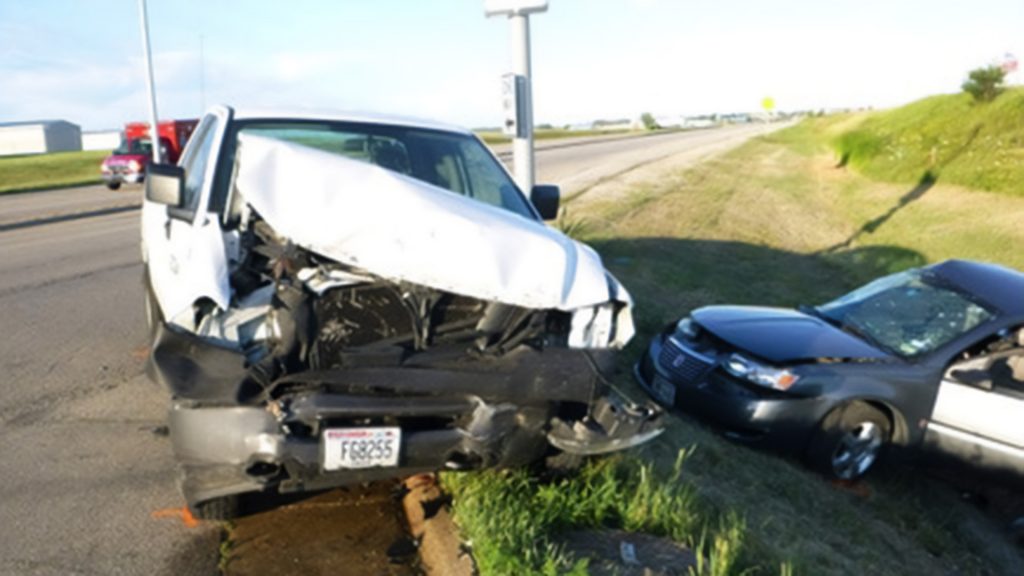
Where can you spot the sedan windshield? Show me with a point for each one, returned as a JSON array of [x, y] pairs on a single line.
[[906, 314], [450, 160]]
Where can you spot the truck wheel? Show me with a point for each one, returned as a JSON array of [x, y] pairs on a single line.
[[219, 509], [849, 441], [113, 185]]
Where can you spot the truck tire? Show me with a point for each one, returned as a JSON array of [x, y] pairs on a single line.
[[113, 185], [849, 441], [218, 509]]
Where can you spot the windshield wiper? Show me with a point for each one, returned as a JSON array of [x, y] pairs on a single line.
[[813, 311]]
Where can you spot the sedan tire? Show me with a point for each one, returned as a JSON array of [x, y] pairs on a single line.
[[849, 441]]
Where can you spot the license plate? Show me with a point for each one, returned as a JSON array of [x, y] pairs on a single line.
[[353, 448], [664, 391]]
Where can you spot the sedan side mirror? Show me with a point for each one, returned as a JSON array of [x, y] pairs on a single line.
[[165, 184], [545, 199]]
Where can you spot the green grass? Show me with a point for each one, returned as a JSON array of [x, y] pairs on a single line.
[[950, 137], [774, 222], [619, 492], [42, 171]]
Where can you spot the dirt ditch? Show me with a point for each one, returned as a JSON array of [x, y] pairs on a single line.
[[380, 529]]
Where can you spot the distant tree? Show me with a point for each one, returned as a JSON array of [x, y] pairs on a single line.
[[984, 84], [649, 122]]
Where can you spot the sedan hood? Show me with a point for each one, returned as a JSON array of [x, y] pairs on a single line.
[[782, 335], [403, 229]]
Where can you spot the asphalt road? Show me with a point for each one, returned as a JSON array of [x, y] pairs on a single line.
[[87, 482]]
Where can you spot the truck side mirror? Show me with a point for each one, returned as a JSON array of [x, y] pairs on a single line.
[[545, 199], [165, 184]]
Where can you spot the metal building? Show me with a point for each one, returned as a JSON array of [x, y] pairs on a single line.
[[39, 137], [105, 140]]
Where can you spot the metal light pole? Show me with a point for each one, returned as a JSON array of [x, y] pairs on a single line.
[[518, 12], [154, 130]]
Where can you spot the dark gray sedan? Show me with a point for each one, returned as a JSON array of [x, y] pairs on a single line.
[[928, 358]]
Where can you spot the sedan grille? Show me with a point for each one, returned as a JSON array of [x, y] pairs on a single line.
[[683, 364]]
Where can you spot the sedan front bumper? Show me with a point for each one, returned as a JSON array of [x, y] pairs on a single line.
[[743, 411]]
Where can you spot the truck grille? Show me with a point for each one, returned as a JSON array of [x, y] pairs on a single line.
[[684, 365]]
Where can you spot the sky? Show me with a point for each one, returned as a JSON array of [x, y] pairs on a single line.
[[82, 60]]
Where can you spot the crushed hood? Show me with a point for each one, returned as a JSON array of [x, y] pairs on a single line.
[[781, 335], [403, 229]]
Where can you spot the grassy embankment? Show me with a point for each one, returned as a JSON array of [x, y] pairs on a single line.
[[42, 171], [778, 222]]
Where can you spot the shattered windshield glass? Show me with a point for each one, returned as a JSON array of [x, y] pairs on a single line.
[[906, 314], [455, 162]]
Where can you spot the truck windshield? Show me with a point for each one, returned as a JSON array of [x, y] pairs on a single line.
[[135, 146], [450, 160]]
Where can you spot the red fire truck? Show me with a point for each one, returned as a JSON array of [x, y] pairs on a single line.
[[128, 162]]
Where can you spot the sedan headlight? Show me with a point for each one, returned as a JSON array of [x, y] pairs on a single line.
[[767, 376], [687, 328]]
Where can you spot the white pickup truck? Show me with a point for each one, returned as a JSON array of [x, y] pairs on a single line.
[[336, 298]]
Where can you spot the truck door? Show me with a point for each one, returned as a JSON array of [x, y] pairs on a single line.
[[183, 246]]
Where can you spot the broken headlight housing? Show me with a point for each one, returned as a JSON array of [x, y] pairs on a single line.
[[760, 374]]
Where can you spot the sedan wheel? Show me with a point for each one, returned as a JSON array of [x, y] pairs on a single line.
[[849, 441], [857, 451]]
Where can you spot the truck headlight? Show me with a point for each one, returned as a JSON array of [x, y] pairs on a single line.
[[134, 165], [767, 376], [592, 327]]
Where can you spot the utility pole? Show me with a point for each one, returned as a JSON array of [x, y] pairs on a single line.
[[518, 13], [154, 130]]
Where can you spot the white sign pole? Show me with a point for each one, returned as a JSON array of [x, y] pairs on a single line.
[[154, 130], [518, 12], [522, 146]]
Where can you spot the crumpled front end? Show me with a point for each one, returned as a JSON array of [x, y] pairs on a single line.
[[322, 373]]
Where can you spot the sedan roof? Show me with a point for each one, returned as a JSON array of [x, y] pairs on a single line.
[[997, 285]]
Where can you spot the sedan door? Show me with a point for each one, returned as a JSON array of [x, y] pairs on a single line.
[[979, 412]]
